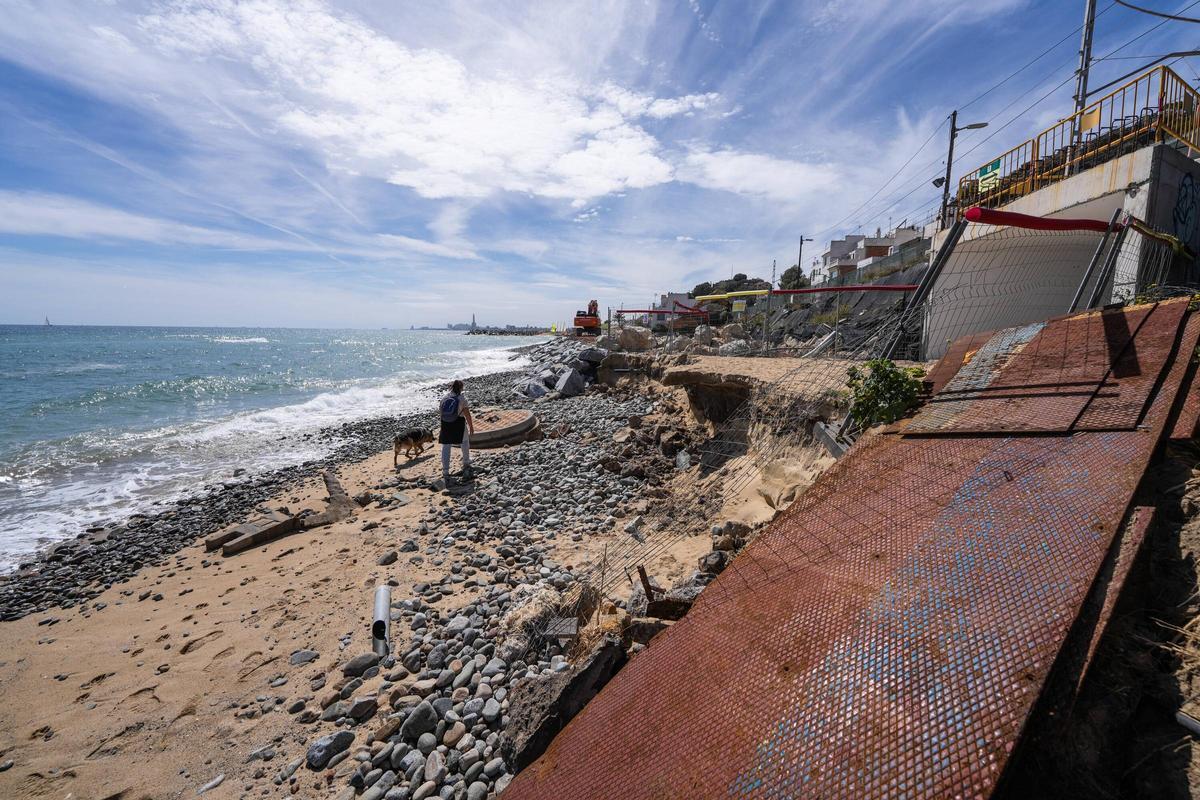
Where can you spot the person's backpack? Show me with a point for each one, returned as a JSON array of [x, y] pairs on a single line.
[[449, 408]]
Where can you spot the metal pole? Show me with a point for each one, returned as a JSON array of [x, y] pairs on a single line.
[[1085, 55], [1087, 276], [949, 164], [1110, 266], [767, 316], [1081, 79]]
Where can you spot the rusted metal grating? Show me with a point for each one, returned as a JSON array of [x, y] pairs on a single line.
[[886, 636], [1123, 554], [1187, 423], [1125, 394], [1071, 373]]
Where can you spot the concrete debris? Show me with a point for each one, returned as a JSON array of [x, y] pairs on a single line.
[[540, 707]]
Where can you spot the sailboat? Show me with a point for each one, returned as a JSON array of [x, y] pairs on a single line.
[[48, 325]]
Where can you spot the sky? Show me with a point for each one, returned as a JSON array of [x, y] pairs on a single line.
[[385, 164]]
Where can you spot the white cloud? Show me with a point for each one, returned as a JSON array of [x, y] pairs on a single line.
[[420, 118], [755, 174], [39, 214]]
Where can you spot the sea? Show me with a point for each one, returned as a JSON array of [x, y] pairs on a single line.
[[100, 423]]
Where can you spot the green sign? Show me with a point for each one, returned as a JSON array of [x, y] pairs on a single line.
[[989, 175]]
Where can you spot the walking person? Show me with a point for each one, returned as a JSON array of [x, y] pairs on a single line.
[[457, 426]]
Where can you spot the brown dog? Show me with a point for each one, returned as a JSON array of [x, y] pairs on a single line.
[[410, 441]]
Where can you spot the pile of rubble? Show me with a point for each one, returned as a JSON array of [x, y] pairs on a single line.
[[562, 367], [727, 340]]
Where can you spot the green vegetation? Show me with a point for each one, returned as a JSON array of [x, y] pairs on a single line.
[[881, 392], [793, 278], [830, 317], [738, 283]]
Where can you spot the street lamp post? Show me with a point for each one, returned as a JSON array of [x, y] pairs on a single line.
[[945, 182], [800, 255]]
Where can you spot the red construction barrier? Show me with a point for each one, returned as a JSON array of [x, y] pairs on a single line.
[[990, 216], [898, 287]]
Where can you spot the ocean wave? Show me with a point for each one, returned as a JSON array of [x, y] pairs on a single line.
[[54, 488], [239, 339], [90, 367]]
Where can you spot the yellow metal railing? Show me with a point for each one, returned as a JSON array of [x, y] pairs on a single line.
[[1155, 107]]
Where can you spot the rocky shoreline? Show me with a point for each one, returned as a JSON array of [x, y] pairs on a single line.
[[74, 571], [474, 685]]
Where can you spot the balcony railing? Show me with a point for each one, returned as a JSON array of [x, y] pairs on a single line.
[[1155, 107]]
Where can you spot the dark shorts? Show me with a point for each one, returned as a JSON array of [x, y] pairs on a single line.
[[452, 432]]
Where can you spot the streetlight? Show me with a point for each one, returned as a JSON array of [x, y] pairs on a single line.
[[945, 182], [800, 254]]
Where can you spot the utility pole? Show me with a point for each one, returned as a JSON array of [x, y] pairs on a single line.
[[945, 181], [1081, 77], [800, 255], [1085, 55]]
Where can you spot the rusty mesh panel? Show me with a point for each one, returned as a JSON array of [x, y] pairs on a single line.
[[1187, 423], [1084, 372], [1125, 394], [870, 643], [886, 636], [1125, 552]]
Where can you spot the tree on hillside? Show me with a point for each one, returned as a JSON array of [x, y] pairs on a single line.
[[701, 289], [793, 278]]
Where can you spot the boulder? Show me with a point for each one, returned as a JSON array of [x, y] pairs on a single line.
[[325, 748], [703, 335], [533, 388], [592, 355], [570, 383], [635, 339], [732, 331], [422, 719], [607, 342], [540, 707], [359, 664], [714, 562], [678, 345], [737, 347]]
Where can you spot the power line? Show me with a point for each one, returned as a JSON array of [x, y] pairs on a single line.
[[1154, 13], [1069, 78], [1036, 59], [969, 103], [1032, 105], [888, 181]]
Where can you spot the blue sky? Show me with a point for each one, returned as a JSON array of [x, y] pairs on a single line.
[[295, 162]]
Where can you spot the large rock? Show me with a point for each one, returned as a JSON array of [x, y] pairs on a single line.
[[325, 748], [607, 342], [738, 347], [733, 330], [570, 383], [592, 355], [532, 388], [635, 339], [422, 719], [703, 335], [540, 707], [359, 664]]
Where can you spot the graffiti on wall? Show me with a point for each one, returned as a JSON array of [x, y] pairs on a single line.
[[1185, 219]]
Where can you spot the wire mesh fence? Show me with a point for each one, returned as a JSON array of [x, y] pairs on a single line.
[[985, 277]]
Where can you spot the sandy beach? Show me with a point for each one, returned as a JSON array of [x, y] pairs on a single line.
[[203, 670]]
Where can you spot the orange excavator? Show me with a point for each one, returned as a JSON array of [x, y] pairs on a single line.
[[587, 323]]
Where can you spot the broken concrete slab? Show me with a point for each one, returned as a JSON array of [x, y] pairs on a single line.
[[540, 707], [274, 521], [259, 530]]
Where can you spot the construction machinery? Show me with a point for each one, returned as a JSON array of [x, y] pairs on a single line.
[[588, 322]]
